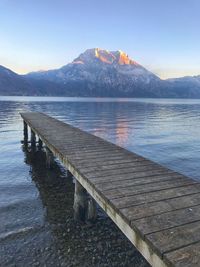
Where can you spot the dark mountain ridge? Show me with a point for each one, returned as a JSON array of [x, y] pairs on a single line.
[[13, 84]]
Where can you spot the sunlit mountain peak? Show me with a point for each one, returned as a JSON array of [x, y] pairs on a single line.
[[104, 56]]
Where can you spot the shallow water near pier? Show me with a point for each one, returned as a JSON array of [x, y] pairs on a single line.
[[36, 205]]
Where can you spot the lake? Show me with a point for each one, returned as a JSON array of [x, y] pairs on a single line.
[[36, 205]]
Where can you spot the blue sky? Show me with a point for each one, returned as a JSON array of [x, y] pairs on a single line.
[[162, 35]]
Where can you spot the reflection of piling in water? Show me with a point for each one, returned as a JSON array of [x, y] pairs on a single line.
[[40, 144], [25, 134], [49, 158], [84, 206], [55, 188], [33, 139]]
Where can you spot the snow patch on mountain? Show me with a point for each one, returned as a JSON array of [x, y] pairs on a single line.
[[96, 55]]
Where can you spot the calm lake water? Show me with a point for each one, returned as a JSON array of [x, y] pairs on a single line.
[[36, 205]]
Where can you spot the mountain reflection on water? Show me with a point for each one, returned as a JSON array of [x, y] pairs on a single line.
[[36, 205]]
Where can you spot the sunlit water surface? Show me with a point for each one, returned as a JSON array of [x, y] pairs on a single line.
[[36, 205]]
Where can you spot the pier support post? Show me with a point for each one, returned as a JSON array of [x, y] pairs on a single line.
[[33, 138], [25, 134], [40, 144], [84, 205], [49, 158], [92, 210], [80, 202], [69, 174]]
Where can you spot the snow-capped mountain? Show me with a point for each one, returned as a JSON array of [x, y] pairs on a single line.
[[98, 72]]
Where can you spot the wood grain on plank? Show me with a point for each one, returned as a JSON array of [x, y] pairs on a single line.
[[175, 238], [188, 256], [158, 207], [133, 190], [167, 220]]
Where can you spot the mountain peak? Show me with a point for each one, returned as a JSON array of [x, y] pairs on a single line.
[[104, 56]]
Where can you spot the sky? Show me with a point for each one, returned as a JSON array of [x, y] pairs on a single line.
[[161, 35]]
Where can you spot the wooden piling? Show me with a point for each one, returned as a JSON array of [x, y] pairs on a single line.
[[80, 202], [69, 174], [91, 210], [40, 144], [33, 138], [49, 158], [25, 133]]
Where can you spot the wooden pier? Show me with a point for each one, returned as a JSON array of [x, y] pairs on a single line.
[[156, 208]]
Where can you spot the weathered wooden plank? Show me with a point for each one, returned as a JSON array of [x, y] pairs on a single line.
[[188, 256], [104, 161], [167, 220], [138, 189], [100, 170], [175, 238], [155, 208], [127, 176], [93, 156], [95, 150], [135, 181], [99, 166], [154, 196], [99, 158], [74, 153], [107, 159], [77, 137], [115, 171]]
